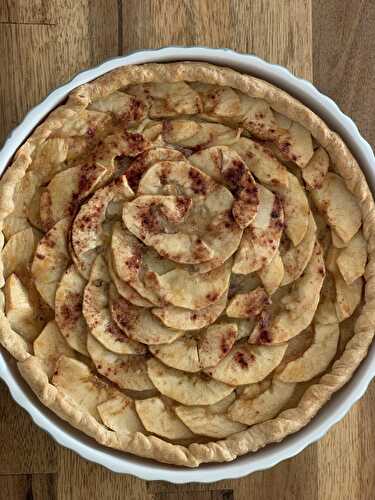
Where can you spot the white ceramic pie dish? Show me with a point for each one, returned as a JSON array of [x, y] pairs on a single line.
[[330, 414]]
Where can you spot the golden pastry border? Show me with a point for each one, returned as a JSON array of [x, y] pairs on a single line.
[[288, 421]]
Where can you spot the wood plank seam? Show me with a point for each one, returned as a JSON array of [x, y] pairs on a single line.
[[24, 23]]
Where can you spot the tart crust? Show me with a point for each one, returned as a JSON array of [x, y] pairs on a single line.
[[288, 421]]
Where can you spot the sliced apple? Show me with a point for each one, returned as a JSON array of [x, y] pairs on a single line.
[[22, 312], [51, 154], [247, 364], [196, 135], [23, 205], [211, 421], [124, 107], [337, 242], [261, 239], [250, 304], [316, 358], [146, 160], [326, 312], [221, 240], [323, 233], [186, 319], [160, 419], [297, 308], [216, 342], [352, 259], [296, 145], [256, 116], [138, 323], [19, 250], [51, 260], [226, 166], [296, 210], [96, 312], [316, 170], [263, 407], [85, 123], [76, 381], [296, 347], [262, 163], [339, 206], [218, 102], [180, 212], [243, 283], [272, 274], [348, 297], [119, 414], [49, 346], [168, 99], [126, 291], [181, 354], [89, 234], [186, 388], [33, 209], [251, 391], [295, 259], [129, 143], [125, 370], [68, 309], [132, 260], [150, 217], [66, 190], [191, 290]]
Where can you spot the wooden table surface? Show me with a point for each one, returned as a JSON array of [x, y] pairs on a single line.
[[42, 44]]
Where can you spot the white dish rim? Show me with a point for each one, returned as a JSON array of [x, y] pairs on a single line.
[[330, 414]]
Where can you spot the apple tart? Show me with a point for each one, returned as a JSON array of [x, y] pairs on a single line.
[[187, 262]]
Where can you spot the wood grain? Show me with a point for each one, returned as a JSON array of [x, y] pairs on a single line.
[[344, 69], [277, 31], [78, 479], [49, 46], [297, 476], [198, 495], [43, 487], [27, 487], [45, 42], [36, 12], [17, 487], [21, 442], [344, 57]]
